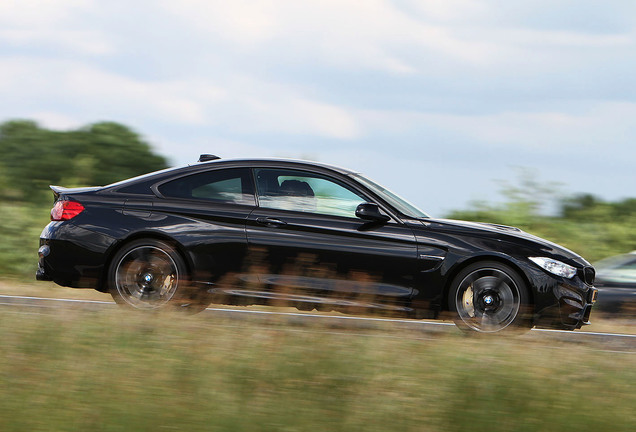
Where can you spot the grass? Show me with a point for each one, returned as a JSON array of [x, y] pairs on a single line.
[[114, 370], [19, 287], [20, 233]]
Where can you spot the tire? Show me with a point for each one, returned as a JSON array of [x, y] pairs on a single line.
[[490, 297], [150, 274]]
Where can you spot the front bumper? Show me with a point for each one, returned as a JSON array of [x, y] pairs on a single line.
[[572, 309], [561, 303]]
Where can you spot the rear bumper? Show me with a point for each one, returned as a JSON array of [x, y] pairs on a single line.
[[41, 274], [72, 256]]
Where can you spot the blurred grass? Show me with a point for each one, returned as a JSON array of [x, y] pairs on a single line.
[[118, 371], [20, 233]]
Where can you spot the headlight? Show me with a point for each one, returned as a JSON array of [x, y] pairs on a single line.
[[553, 266]]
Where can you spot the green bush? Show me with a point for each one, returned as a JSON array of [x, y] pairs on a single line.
[[585, 224], [20, 233]]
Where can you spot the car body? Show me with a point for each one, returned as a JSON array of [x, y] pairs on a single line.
[[309, 235], [616, 282]]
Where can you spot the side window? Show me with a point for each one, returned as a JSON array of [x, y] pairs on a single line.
[[223, 185], [306, 192]]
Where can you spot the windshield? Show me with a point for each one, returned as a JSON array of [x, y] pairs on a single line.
[[392, 199]]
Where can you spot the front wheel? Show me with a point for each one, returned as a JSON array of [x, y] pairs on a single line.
[[489, 297], [149, 274]]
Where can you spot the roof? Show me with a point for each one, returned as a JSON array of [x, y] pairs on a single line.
[[255, 161], [275, 160]]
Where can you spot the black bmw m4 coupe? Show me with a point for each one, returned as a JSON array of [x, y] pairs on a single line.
[[303, 234]]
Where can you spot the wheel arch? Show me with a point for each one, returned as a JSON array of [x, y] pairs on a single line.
[[112, 251], [508, 261]]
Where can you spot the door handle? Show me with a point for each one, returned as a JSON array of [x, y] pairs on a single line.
[[270, 222]]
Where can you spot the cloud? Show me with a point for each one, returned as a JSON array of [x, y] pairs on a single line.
[[44, 23], [86, 42], [55, 120], [242, 22], [238, 104], [451, 11], [31, 13], [385, 85], [586, 127], [83, 88], [372, 34], [295, 115], [399, 38]]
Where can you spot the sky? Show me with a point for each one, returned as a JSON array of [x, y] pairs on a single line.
[[443, 101]]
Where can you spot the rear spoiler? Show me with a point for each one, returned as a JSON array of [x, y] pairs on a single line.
[[60, 190]]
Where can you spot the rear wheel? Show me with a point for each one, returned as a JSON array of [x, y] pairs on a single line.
[[149, 274], [490, 297]]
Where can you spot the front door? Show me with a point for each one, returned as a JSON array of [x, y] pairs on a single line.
[[309, 249]]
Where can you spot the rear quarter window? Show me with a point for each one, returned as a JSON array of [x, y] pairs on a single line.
[[223, 186], [142, 188]]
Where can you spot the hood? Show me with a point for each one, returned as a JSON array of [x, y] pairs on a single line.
[[477, 225], [518, 238]]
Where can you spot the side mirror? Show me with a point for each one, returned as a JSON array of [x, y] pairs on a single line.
[[371, 212]]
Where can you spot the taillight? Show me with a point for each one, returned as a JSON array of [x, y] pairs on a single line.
[[65, 210]]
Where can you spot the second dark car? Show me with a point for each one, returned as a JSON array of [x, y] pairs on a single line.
[[283, 232], [616, 282]]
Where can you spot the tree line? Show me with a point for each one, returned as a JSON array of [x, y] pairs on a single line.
[[34, 157], [583, 223]]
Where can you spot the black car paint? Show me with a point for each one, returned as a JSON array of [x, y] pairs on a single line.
[[405, 265]]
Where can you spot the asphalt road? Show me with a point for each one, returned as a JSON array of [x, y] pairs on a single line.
[[301, 321]]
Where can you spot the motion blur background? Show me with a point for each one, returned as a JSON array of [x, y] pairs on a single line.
[[513, 112], [510, 112]]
